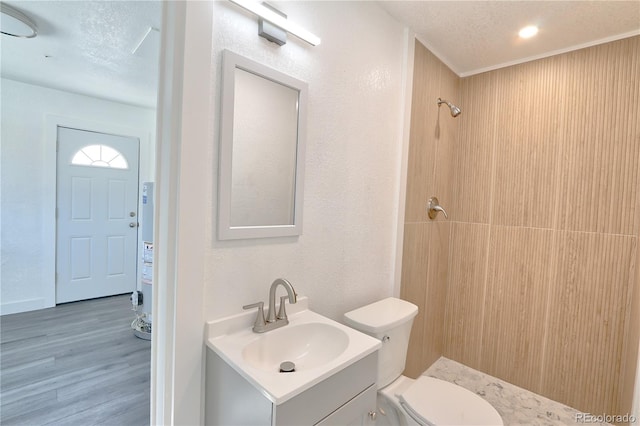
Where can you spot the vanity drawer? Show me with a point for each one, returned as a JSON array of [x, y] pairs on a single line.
[[323, 399]]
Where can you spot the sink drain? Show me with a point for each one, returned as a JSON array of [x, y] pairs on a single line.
[[287, 367]]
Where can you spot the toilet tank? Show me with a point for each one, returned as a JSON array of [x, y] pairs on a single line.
[[390, 321]]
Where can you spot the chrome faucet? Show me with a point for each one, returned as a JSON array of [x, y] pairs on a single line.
[[273, 321]]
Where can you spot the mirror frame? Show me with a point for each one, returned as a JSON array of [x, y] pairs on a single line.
[[230, 62]]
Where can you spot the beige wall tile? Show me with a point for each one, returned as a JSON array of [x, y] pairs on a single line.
[[516, 299], [472, 170], [422, 137], [465, 295], [431, 151], [528, 140], [446, 140], [587, 311], [632, 336], [415, 259], [424, 283], [601, 144], [541, 178], [436, 293]]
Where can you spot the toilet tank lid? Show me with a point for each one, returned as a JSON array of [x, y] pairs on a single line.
[[382, 315]]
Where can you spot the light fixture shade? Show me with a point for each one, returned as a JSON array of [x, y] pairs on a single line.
[[279, 21], [15, 23]]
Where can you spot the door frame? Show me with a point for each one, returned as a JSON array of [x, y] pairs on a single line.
[[52, 122]]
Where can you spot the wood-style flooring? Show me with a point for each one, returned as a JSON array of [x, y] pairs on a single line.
[[75, 364]]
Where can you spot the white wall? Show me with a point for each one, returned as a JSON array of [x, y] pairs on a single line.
[[345, 257], [29, 116]]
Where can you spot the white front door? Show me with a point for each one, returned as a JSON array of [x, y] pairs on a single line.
[[97, 215]]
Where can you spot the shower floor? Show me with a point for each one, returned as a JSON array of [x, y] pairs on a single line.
[[517, 406]]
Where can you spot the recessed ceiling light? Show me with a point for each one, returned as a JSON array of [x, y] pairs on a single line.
[[528, 31]]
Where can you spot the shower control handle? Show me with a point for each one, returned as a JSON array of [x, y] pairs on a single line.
[[433, 207]]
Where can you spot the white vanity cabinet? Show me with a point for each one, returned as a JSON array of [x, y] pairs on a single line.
[[346, 397]]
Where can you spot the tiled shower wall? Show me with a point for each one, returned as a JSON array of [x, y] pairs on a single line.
[[533, 278]]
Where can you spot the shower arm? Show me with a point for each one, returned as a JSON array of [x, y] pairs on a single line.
[[455, 111]]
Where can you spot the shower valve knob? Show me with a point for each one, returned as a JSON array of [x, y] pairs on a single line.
[[434, 207]]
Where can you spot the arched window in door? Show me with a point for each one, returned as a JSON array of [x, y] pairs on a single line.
[[99, 156]]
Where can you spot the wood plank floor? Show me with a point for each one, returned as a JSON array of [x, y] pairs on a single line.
[[75, 364]]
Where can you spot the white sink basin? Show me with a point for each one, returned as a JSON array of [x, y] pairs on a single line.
[[318, 346], [307, 345]]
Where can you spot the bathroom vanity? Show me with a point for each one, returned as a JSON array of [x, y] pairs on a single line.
[[334, 382]]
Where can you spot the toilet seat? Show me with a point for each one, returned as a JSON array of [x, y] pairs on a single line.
[[431, 401]]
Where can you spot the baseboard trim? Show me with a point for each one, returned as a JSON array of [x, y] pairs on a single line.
[[22, 306]]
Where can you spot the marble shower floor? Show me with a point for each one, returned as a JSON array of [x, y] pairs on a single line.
[[517, 406]]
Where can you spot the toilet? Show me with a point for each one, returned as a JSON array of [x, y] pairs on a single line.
[[404, 401]]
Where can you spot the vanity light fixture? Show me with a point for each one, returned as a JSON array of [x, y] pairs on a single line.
[[271, 32], [15, 23], [279, 21], [528, 31]]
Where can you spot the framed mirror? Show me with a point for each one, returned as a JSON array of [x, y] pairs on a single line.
[[263, 127]]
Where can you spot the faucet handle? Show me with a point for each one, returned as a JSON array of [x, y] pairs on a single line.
[[282, 313], [260, 322]]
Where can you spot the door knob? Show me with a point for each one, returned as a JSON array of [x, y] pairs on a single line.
[[133, 224]]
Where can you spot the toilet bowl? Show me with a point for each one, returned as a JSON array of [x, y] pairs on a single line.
[[422, 401]]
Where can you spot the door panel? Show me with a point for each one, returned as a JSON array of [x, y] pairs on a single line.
[[81, 253], [117, 199], [97, 201], [116, 255], [80, 198]]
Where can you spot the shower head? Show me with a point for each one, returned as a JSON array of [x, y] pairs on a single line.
[[455, 111]]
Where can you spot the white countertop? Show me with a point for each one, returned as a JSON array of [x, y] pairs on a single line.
[[228, 337]]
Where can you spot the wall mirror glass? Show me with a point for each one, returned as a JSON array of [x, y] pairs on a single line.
[[262, 143]]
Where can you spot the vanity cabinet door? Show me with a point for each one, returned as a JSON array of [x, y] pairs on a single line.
[[230, 399], [357, 412]]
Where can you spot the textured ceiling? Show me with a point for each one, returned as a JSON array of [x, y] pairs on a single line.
[[476, 36], [85, 46]]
